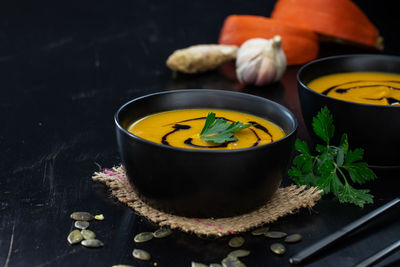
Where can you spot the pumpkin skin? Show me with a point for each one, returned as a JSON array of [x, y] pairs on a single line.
[[376, 88], [181, 128], [336, 20]]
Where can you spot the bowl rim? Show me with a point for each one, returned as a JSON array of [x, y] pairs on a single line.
[[192, 150], [310, 64]]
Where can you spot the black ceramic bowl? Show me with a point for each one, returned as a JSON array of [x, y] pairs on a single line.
[[204, 183], [374, 128]]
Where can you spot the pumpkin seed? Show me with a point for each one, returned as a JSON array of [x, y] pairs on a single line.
[[92, 243], [232, 262], [275, 234], [162, 232], [87, 234], [99, 217], [155, 263], [143, 237], [260, 231], [81, 224], [141, 254], [236, 242], [278, 248], [197, 264], [81, 216], [239, 253], [293, 238], [215, 265], [74, 237]]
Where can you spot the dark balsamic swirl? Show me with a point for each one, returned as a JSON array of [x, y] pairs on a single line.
[[262, 128], [189, 143], [199, 118], [178, 127], [340, 90]]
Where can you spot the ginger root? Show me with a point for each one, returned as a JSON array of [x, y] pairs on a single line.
[[200, 58]]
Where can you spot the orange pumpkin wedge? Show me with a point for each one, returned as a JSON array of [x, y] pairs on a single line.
[[339, 20], [300, 46]]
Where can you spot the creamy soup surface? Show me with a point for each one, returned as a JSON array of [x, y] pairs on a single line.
[[375, 88], [181, 128]]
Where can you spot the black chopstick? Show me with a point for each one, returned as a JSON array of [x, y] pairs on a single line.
[[379, 255], [306, 253]]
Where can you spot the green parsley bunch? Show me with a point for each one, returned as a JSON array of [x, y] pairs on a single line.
[[333, 168]]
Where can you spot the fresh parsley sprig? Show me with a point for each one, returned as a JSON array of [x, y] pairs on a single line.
[[219, 131], [335, 167]]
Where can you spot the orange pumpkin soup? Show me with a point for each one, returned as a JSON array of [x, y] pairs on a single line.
[[181, 128], [375, 88]]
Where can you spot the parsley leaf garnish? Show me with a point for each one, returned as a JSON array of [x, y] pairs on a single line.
[[334, 168], [219, 130]]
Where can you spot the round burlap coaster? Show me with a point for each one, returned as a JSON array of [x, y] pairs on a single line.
[[285, 201]]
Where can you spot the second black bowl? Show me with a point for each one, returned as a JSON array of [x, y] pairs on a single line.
[[374, 128]]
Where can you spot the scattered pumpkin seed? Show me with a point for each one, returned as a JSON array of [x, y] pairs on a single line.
[[197, 264], [81, 224], [155, 263], [293, 238], [232, 262], [275, 234], [74, 237], [81, 216], [87, 234], [141, 254], [260, 231], [162, 232], [92, 243], [215, 265], [143, 237], [278, 248], [99, 217], [239, 253], [236, 242]]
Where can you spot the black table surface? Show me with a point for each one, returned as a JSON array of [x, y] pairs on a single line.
[[66, 67]]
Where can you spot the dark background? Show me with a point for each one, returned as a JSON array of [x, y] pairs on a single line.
[[66, 67]]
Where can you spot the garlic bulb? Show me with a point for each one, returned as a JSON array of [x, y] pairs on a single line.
[[260, 61]]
